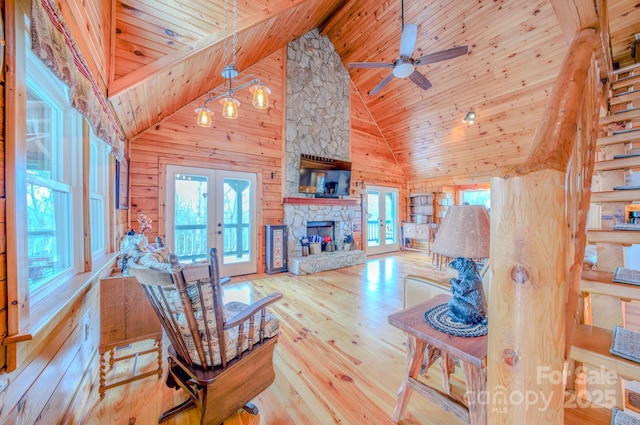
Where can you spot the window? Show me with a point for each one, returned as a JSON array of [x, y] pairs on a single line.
[[54, 181], [99, 189], [476, 197], [52, 143]]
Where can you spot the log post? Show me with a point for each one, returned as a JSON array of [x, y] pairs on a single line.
[[530, 259]]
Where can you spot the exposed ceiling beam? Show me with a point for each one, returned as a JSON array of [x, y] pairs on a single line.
[[575, 15], [151, 70]]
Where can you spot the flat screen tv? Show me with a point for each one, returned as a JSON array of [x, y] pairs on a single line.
[[324, 177]]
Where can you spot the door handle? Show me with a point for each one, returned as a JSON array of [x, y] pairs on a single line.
[[219, 232]]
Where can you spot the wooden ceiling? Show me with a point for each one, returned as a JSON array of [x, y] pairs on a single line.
[[168, 53]]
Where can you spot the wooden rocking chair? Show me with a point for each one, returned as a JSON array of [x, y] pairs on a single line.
[[220, 355]]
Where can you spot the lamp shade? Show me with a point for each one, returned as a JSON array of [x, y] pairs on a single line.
[[464, 232], [229, 108], [204, 117], [260, 96]]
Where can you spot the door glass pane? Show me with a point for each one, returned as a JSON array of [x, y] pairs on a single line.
[[390, 218], [373, 222], [237, 220], [190, 221]]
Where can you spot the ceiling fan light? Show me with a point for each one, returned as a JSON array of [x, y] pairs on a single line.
[[403, 70], [260, 96], [230, 108], [204, 117]]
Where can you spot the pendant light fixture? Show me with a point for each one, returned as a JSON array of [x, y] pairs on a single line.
[[230, 73]]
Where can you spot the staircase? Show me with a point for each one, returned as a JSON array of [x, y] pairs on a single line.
[[605, 303]]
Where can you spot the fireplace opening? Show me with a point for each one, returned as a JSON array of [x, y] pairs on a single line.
[[322, 229]]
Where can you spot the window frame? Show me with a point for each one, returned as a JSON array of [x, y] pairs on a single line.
[[29, 317], [101, 172], [67, 176], [460, 190]]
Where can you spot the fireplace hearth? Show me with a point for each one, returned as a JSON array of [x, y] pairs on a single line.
[[307, 219]]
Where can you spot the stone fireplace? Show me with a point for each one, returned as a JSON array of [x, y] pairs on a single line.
[[322, 229], [303, 216], [318, 124]]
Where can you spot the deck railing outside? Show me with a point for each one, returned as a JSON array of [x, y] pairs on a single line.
[[191, 241], [373, 231]]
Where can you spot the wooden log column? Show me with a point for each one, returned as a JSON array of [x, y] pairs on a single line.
[[530, 259]]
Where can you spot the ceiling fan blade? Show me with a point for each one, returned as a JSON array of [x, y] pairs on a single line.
[[381, 84], [420, 80], [408, 40], [370, 65], [441, 55]]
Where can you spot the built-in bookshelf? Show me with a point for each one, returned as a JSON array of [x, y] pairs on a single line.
[[421, 208]]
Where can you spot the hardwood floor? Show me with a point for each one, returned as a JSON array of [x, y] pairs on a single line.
[[337, 359]]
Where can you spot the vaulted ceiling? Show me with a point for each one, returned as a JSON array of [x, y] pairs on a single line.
[[168, 54]]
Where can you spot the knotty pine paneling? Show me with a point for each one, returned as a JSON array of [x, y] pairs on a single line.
[[373, 163], [624, 16], [3, 226], [146, 93], [515, 51], [90, 24], [252, 143]]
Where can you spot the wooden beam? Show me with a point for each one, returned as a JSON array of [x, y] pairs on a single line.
[[530, 271], [576, 15], [152, 70], [549, 147], [18, 305]]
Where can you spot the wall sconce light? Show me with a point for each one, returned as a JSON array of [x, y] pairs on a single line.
[[470, 117]]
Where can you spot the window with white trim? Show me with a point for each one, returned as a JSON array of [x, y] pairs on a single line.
[[99, 192], [53, 180]]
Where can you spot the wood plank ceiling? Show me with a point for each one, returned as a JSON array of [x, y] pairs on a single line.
[[168, 53]]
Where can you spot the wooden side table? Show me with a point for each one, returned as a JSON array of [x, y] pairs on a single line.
[[470, 353], [126, 316]]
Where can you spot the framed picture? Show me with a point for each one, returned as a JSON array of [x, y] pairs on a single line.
[[276, 253], [122, 184]]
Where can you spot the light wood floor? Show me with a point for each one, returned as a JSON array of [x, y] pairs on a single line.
[[337, 359]]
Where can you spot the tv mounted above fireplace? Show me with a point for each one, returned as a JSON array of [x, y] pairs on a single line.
[[324, 177]]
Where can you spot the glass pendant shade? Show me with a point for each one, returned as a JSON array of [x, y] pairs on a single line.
[[204, 117], [260, 96], [230, 108]]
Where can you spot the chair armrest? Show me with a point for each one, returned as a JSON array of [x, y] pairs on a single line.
[[225, 280], [420, 288], [247, 312]]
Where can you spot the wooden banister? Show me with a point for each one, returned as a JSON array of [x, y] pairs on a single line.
[[530, 240]]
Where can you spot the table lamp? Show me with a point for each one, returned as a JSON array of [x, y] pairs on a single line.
[[464, 235]]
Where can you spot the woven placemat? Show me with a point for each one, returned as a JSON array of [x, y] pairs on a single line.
[[625, 343], [619, 417], [438, 318]]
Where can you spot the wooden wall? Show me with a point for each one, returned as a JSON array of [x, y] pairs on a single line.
[[3, 222], [91, 21], [253, 143], [373, 162]]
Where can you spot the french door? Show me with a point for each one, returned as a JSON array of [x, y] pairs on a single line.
[[212, 208], [382, 221]]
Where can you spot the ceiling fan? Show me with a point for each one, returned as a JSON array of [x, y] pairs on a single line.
[[405, 65]]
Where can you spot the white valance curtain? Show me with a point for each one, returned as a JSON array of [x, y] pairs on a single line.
[[51, 41]]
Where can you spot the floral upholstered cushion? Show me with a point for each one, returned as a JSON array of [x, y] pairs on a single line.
[[201, 297]]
